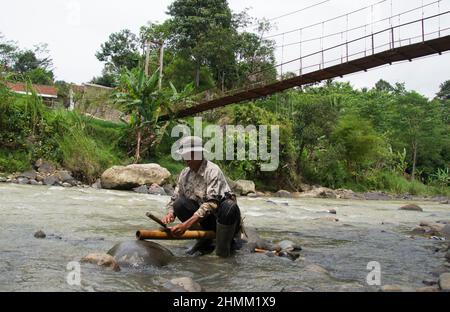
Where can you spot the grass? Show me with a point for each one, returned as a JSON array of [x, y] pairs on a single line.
[[395, 184]]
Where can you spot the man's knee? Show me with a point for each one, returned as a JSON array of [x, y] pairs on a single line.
[[228, 212], [183, 208]]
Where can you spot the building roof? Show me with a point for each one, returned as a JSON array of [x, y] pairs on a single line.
[[41, 90]]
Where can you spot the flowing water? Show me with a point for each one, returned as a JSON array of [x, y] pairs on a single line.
[[82, 221]]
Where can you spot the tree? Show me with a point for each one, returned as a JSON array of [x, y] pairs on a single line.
[[120, 51], [359, 143], [414, 122], [142, 100], [384, 86], [444, 92]]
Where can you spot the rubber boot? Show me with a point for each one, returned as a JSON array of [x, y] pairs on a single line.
[[224, 237]]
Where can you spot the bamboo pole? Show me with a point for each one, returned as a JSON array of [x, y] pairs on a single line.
[[164, 235]]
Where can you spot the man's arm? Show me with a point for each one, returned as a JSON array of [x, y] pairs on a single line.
[[170, 216], [211, 203]]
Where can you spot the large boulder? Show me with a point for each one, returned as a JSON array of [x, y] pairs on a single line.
[[141, 253], [244, 187], [129, 177]]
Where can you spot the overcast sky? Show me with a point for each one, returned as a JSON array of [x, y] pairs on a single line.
[[75, 29]]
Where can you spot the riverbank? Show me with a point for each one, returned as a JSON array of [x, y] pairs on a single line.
[[48, 174]]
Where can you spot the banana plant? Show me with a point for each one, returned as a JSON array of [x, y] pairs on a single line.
[[140, 99]]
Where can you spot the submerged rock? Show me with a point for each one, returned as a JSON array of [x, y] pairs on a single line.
[[40, 234], [102, 260], [127, 178], [411, 207], [314, 268], [184, 284], [141, 253]]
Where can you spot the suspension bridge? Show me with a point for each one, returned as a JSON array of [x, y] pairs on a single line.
[[404, 36]]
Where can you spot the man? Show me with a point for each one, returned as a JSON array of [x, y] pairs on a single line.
[[203, 197]]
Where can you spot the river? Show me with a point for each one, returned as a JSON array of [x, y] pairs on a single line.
[[82, 221]]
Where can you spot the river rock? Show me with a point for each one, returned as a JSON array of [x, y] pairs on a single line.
[[327, 219], [332, 211], [377, 196], [283, 194], [23, 181], [98, 184], [141, 253], [347, 194], [169, 189], [102, 260], [64, 176], [65, 184], [314, 268], [143, 189], [185, 284], [446, 231], [447, 256], [50, 180], [34, 182], [428, 289], [319, 192], [244, 187], [40, 234], [395, 288], [444, 282], [127, 178], [45, 167], [411, 207], [30, 175], [3, 179], [155, 189]]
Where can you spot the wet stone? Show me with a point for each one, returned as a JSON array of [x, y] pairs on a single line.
[[23, 181], [411, 207], [40, 234], [444, 282], [51, 180], [141, 189]]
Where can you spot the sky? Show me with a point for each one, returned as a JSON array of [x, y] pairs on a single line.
[[75, 29]]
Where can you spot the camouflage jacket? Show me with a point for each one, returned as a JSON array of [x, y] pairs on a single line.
[[207, 187]]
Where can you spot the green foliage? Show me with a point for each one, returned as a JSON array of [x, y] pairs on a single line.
[[26, 65]]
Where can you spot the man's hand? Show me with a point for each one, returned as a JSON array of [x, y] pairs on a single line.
[[169, 218], [179, 229]]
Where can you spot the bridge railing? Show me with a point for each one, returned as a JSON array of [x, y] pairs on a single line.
[[420, 30]]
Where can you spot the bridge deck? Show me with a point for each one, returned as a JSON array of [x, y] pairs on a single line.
[[409, 52]]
